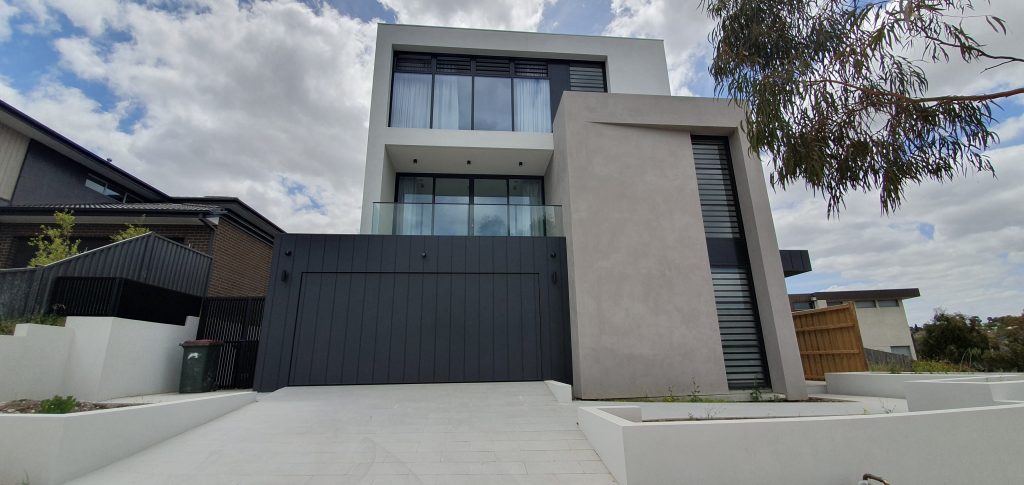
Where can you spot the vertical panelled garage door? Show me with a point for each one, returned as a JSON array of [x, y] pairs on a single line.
[[347, 309], [369, 328]]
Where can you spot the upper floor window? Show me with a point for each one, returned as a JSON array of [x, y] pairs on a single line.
[[109, 190], [484, 93]]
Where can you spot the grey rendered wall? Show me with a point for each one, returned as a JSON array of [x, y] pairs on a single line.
[[642, 306], [47, 177]]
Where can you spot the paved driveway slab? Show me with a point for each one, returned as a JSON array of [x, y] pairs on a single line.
[[475, 433]]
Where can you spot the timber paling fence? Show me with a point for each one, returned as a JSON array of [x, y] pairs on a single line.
[[149, 259], [829, 341]]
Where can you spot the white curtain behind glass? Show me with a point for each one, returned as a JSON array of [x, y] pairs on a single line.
[[410, 101], [532, 105], [452, 102]]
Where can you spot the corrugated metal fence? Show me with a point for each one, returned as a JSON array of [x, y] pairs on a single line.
[[829, 341], [150, 259]]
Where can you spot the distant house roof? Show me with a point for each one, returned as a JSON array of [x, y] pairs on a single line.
[[156, 201], [857, 295], [28, 126]]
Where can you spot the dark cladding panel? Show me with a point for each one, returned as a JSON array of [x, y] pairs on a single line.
[[411, 309]]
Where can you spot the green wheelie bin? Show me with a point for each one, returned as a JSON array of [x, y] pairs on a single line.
[[199, 365]]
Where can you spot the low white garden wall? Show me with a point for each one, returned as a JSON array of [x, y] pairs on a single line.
[[51, 449], [33, 361], [920, 447], [879, 384], [92, 358], [964, 392]]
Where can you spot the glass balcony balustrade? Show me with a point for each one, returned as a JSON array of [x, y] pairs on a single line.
[[467, 219]]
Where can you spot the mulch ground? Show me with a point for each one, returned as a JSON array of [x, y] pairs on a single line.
[[30, 406]]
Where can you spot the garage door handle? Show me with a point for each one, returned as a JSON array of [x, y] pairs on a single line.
[[554, 277], [284, 275]]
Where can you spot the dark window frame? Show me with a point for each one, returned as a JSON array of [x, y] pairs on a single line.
[[472, 185], [474, 72]]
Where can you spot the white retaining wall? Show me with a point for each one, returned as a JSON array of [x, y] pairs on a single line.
[[32, 361], [878, 384], [964, 392], [92, 358], [52, 449], [920, 447]]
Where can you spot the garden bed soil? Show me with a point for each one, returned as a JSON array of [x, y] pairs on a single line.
[[30, 406]]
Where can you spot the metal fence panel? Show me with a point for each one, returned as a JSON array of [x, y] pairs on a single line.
[[236, 322], [149, 259]]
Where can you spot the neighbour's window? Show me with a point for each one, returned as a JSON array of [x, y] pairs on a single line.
[[109, 190], [888, 303], [901, 349], [835, 302], [866, 304], [802, 305]]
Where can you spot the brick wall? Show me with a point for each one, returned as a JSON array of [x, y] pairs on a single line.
[[11, 235], [241, 262]]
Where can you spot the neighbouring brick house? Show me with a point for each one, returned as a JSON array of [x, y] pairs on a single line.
[[42, 172]]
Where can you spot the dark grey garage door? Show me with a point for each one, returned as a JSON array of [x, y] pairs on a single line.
[[415, 309], [368, 328]]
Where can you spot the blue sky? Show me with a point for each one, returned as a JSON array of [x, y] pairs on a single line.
[[268, 101]]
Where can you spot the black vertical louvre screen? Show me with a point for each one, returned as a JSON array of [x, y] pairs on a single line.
[[236, 322], [735, 302]]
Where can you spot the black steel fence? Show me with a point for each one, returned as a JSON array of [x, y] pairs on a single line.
[[121, 297], [236, 322], [149, 259]]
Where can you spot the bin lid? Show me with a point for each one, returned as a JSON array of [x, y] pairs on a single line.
[[201, 343]]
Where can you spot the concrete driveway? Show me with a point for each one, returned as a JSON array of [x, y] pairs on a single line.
[[396, 434]]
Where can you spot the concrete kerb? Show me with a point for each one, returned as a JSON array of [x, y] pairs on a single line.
[[561, 391], [51, 449]]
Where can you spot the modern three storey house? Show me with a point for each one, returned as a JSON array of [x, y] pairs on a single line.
[[539, 206]]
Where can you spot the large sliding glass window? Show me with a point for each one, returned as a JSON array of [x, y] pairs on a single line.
[[410, 100], [492, 103], [469, 206], [453, 92], [532, 105], [453, 102], [451, 210]]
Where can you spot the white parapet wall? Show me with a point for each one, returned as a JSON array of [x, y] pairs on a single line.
[[879, 384], [52, 449], [33, 361], [917, 447], [963, 392], [92, 358]]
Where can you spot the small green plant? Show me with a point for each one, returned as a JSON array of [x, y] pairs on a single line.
[[58, 405], [695, 395], [130, 231], [671, 397], [755, 395], [54, 243]]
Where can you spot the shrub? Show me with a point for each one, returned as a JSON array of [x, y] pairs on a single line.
[[58, 405], [54, 243], [952, 337], [938, 366], [7, 325], [129, 231]]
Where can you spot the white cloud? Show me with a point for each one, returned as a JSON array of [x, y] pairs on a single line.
[[234, 100], [682, 24], [498, 14], [7, 12]]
